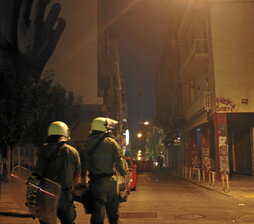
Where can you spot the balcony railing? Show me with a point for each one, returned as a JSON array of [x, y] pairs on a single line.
[[193, 58], [202, 103]]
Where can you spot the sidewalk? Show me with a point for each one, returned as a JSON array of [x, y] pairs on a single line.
[[240, 187]]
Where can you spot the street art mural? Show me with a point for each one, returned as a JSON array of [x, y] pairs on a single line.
[[224, 104]]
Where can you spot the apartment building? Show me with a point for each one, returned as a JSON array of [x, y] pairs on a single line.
[[210, 59]]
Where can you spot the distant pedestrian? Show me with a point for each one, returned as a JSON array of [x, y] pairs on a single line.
[[100, 155], [60, 162], [160, 161]]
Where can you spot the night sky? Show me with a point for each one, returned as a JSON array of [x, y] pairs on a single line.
[[140, 27]]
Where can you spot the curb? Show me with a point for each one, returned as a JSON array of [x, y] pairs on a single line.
[[211, 188], [15, 214], [208, 188]]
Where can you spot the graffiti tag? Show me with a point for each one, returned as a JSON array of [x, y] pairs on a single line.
[[224, 105]]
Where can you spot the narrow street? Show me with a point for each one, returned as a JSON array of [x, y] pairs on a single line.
[[161, 198]]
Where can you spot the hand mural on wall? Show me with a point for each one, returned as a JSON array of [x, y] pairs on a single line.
[[27, 40], [28, 37]]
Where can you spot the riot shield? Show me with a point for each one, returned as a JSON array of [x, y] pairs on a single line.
[[41, 195], [19, 177]]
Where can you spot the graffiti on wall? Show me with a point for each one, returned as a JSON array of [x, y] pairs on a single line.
[[206, 160], [223, 153], [194, 156], [224, 104]]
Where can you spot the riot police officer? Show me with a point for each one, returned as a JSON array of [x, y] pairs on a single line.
[[60, 162], [99, 156]]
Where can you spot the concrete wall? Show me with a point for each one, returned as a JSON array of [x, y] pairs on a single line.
[[75, 58], [233, 54]]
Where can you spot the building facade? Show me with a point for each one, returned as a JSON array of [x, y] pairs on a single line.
[[210, 59], [86, 62]]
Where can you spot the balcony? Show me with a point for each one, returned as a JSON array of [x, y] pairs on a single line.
[[201, 104], [195, 59]]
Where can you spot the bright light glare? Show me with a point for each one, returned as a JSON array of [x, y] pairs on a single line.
[[127, 137], [139, 135], [146, 123]]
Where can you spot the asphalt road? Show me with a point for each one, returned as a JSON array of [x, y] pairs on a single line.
[[161, 198]]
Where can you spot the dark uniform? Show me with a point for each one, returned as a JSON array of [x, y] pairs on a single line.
[[60, 162], [160, 161], [100, 165]]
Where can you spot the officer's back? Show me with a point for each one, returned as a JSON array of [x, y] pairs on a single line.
[[100, 156]]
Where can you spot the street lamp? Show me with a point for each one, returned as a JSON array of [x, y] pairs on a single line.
[[142, 137], [139, 135], [139, 155]]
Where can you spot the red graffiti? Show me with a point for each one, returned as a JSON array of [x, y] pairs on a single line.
[[224, 104]]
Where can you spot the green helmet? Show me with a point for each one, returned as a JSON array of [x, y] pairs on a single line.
[[103, 124], [59, 128]]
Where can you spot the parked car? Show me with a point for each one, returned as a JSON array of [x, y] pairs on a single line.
[[132, 168], [144, 165]]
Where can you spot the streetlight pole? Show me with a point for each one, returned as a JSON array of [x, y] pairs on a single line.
[[142, 137], [140, 150], [146, 123]]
